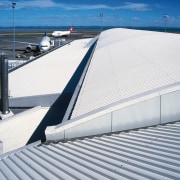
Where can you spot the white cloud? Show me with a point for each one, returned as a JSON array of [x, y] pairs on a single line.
[[136, 6], [135, 18], [22, 4], [28, 4], [126, 6]]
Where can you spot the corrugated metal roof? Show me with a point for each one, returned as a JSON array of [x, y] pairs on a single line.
[[150, 153], [128, 63]]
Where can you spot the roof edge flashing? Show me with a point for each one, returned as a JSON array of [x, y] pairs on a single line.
[[134, 99], [150, 110]]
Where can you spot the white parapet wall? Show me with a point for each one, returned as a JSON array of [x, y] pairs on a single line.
[[17, 130], [137, 113]]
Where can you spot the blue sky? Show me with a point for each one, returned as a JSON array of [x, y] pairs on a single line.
[[87, 12]]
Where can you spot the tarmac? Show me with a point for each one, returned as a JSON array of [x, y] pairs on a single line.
[[6, 42]]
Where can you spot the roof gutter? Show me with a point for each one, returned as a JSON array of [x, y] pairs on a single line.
[[71, 105]]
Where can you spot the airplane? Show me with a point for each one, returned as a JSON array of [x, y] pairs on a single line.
[[62, 33], [42, 46]]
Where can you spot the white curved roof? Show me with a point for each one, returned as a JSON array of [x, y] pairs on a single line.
[[128, 63], [50, 73]]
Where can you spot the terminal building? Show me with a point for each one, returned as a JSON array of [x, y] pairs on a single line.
[[101, 108]]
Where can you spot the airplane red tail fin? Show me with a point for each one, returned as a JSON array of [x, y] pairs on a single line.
[[71, 29]]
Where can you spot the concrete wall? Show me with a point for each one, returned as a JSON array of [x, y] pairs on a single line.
[[170, 107], [154, 111], [142, 114], [33, 101]]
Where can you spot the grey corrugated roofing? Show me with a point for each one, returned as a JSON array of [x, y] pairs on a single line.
[[149, 153]]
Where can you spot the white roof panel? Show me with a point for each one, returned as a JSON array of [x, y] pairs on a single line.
[[50, 73], [127, 63], [16, 131]]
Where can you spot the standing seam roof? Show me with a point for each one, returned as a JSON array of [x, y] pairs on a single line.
[[128, 63], [149, 153]]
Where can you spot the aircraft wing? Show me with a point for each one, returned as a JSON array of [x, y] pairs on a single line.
[[28, 43], [21, 42]]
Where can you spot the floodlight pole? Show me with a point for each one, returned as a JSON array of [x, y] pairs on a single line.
[[101, 16], [165, 21], [13, 7]]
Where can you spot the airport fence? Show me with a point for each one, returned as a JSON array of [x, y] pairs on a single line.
[[15, 63]]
